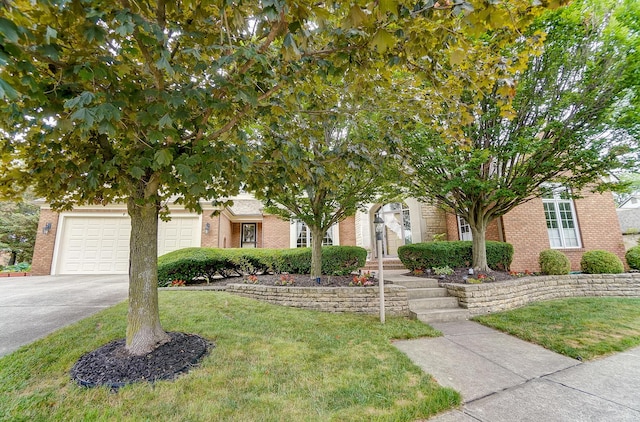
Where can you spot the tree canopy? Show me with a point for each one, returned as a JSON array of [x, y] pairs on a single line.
[[18, 225], [143, 101], [546, 112]]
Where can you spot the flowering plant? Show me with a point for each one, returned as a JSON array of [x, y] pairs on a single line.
[[362, 280], [178, 283], [285, 280], [253, 279]]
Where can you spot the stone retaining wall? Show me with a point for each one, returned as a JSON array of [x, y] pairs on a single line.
[[364, 300], [493, 297]]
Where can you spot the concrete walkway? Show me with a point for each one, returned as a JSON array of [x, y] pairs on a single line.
[[502, 378]]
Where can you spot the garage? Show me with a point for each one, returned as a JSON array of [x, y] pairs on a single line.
[[99, 244]]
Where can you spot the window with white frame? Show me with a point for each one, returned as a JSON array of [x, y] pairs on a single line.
[[464, 229], [303, 236], [559, 212]]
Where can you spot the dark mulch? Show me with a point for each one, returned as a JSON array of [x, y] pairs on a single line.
[[461, 275], [111, 365], [299, 280]]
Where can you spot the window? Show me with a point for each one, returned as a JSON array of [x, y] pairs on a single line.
[[249, 238], [303, 236], [562, 225], [464, 229]]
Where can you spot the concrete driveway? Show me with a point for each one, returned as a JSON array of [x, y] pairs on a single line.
[[32, 307]]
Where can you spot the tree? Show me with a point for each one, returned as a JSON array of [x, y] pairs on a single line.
[[18, 225], [548, 118], [141, 101], [323, 161]]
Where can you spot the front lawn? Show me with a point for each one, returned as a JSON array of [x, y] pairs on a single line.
[[583, 328], [270, 363]]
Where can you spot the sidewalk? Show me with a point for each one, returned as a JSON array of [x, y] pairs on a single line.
[[502, 378]]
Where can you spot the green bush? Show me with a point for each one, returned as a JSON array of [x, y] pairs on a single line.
[[633, 257], [204, 263], [455, 254], [601, 262], [554, 262]]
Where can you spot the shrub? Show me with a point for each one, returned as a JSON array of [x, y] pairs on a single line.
[[554, 262], [455, 254], [196, 263], [601, 262], [633, 257]]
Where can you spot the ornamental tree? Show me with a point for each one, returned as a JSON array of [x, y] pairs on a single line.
[[550, 117], [138, 102], [18, 225], [322, 161]]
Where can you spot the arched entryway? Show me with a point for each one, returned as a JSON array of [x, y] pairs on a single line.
[[397, 227]]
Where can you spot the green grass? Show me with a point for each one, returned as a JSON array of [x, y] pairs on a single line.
[[579, 327], [270, 363]]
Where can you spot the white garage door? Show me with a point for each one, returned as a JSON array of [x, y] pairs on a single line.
[[100, 245]]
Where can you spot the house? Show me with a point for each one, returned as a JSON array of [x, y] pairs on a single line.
[[95, 239], [629, 217]]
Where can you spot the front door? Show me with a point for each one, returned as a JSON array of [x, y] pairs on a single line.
[[249, 235], [397, 227]]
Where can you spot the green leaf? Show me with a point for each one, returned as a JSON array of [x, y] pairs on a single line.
[[382, 41], [165, 121], [9, 30], [7, 90], [163, 157], [51, 33], [136, 172]]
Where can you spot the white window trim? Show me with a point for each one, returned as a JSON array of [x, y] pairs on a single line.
[[460, 225], [556, 200], [293, 235]]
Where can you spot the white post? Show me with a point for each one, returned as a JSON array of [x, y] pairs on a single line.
[[380, 279]]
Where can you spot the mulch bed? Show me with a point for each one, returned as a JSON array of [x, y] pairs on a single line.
[[111, 365], [461, 275], [299, 280]]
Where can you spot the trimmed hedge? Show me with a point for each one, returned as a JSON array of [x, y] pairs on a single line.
[[455, 254], [554, 262], [633, 258], [191, 264], [601, 262]]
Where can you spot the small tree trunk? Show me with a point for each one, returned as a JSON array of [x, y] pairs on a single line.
[[12, 258], [144, 332], [316, 252], [479, 250]]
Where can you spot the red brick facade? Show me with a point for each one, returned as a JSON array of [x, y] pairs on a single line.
[[524, 227]]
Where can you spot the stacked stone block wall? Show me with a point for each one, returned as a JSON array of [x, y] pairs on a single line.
[[487, 298], [364, 300]]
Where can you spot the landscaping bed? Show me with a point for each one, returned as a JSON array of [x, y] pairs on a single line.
[[294, 280]]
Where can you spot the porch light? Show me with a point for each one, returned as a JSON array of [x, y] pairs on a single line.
[[207, 228], [46, 229], [379, 225]]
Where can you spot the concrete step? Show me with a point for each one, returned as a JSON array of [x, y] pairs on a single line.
[[414, 282], [441, 315], [432, 303], [426, 292]]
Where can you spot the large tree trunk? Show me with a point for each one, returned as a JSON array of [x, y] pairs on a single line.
[[316, 252], [144, 332], [479, 250]]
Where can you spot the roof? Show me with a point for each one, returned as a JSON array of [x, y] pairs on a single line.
[[245, 207]]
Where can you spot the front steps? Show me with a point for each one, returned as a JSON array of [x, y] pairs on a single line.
[[427, 301]]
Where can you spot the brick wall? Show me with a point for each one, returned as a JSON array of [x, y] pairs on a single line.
[[276, 232], [329, 299], [347, 229], [525, 228], [209, 240], [436, 219], [43, 249]]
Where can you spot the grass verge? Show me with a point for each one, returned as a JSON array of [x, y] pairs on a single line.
[[270, 363], [581, 328]]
